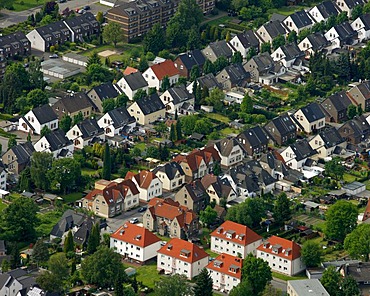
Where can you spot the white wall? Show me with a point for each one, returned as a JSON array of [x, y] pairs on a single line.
[[36, 41], [219, 245], [223, 281]]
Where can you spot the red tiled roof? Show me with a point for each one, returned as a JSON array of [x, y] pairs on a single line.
[[166, 68], [130, 70], [136, 235], [195, 158], [367, 212], [227, 264], [143, 179], [240, 234], [176, 247], [282, 245]]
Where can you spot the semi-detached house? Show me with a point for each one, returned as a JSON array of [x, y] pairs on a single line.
[[147, 110], [148, 183], [38, 118], [155, 74]]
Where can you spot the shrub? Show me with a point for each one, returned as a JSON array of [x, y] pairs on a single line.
[[52, 48]]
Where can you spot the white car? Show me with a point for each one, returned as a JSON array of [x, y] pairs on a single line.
[[134, 220]]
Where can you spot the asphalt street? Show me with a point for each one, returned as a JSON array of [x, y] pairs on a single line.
[[116, 222]]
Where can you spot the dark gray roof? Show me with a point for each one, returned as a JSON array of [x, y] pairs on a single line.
[[331, 137], [135, 81], [170, 169], [264, 62], [255, 136], [17, 273], [83, 21], [106, 91], [237, 74], [302, 149], [82, 234], [274, 163], [277, 17], [345, 31], [53, 29], [57, 139], [283, 123], [13, 39], [23, 152], [208, 81], [365, 18], [180, 94], [68, 220], [359, 126], [301, 19], [120, 117], [359, 271], [89, 128], [4, 278], [44, 114], [352, 3], [248, 39], [192, 58], [196, 190], [313, 112], [327, 9], [150, 104], [318, 41], [291, 51], [220, 48], [339, 101], [72, 103], [275, 28], [225, 146]]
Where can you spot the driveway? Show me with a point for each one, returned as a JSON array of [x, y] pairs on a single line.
[[118, 221]]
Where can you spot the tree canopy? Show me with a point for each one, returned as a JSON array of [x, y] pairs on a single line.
[[357, 243], [257, 273], [311, 253], [112, 33], [175, 285]]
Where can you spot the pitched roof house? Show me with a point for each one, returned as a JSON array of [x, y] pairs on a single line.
[[181, 257], [322, 11], [209, 81], [72, 104], [175, 97], [362, 26], [171, 175], [218, 188], [348, 5], [254, 140], [85, 133], [360, 94], [341, 35], [244, 41], [356, 130], [289, 55], [187, 60], [326, 141], [230, 150], [281, 129], [37, 118], [313, 43], [271, 30], [147, 182], [15, 44], [336, 106], [296, 154], [217, 49], [234, 239], [83, 27], [299, 21], [18, 157], [148, 109], [169, 218], [233, 76], [70, 220], [100, 93], [193, 196], [56, 143], [309, 118], [155, 74], [117, 122], [282, 255], [131, 83], [135, 242]]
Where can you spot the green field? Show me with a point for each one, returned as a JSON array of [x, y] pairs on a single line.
[[20, 5], [218, 117], [123, 50], [72, 197], [288, 278], [2, 206], [148, 274]]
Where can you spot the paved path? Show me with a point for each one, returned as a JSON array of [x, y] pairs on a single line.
[[279, 284]]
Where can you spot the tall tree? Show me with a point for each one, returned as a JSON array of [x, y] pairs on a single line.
[[349, 287], [78, 118], [155, 39], [194, 73], [69, 245], [40, 165], [37, 97], [64, 175], [311, 253], [118, 285], [257, 272], [172, 133], [94, 58], [351, 111], [36, 75], [208, 216], [203, 284], [357, 243], [94, 239], [108, 105], [244, 288], [247, 104], [331, 281], [282, 211], [121, 100], [176, 285], [208, 67], [25, 180], [107, 163], [165, 83], [178, 130], [237, 58], [112, 33], [65, 123], [45, 131], [12, 142], [40, 252], [15, 259], [334, 168]]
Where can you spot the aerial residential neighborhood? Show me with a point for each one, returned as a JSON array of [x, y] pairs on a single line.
[[184, 147]]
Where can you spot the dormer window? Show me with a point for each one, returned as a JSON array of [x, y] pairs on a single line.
[[184, 253]]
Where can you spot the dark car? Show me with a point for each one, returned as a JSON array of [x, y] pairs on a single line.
[[142, 209], [87, 7], [54, 56]]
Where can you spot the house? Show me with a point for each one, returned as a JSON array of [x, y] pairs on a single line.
[[116, 122], [225, 271], [72, 104], [98, 94], [155, 74], [198, 162], [360, 94], [38, 118], [230, 151], [282, 255], [135, 243], [218, 189], [233, 76], [336, 106], [314, 42], [356, 130], [171, 175], [3, 178], [130, 84], [281, 129], [264, 69], [83, 27], [53, 34], [14, 45], [85, 133], [326, 141], [274, 166], [56, 143], [111, 198], [341, 35], [193, 196], [299, 21], [310, 118], [181, 257], [148, 184], [360, 272], [269, 31], [362, 26], [366, 215], [234, 239], [254, 141], [16, 282], [187, 60], [306, 287], [175, 97], [209, 81], [348, 5], [169, 218], [289, 55], [148, 109], [218, 49], [244, 41], [296, 154], [321, 12], [17, 158]]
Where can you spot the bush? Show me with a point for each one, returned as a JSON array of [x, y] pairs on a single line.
[[95, 42], [52, 48]]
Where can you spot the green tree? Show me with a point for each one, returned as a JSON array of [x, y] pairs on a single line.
[[208, 67], [357, 243], [65, 123], [239, 4], [143, 64], [257, 272], [203, 284], [351, 111], [251, 53], [5, 266], [203, 126], [102, 267], [237, 58], [244, 288], [108, 105], [40, 252], [172, 133], [65, 175], [94, 59], [15, 256], [208, 216], [342, 17], [25, 180], [100, 17], [107, 163], [215, 99], [78, 118], [165, 83], [334, 168], [112, 33], [331, 281], [69, 245], [118, 285], [282, 211], [178, 130], [360, 111], [311, 253], [45, 131], [155, 39], [12, 142], [36, 76], [249, 212], [40, 165], [188, 123], [278, 41], [247, 104], [341, 219], [292, 37], [194, 73], [193, 38], [121, 100], [220, 63], [37, 97], [349, 286], [94, 239], [266, 47], [98, 73], [176, 285], [141, 93]]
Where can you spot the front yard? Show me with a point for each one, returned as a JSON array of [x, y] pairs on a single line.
[[2, 206]]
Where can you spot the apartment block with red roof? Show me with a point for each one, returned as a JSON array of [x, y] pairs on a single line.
[[235, 239], [111, 198], [225, 271], [282, 255], [169, 218], [135, 242], [155, 74], [147, 182], [181, 257]]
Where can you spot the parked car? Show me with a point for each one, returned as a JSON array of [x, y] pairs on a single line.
[[81, 11], [87, 7], [53, 56], [62, 1], [134, 220], [142, 209]]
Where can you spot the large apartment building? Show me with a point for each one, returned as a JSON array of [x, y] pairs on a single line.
[[139, 16]]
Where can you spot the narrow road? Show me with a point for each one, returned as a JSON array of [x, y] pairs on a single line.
[[279, 284]]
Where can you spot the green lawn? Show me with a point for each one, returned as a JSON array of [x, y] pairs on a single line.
[[217, 21], [311, 220], [288, 278], [141, 146], [349, 178], [88, 172], [2, 206], [148, 274], [218, 117], [123, 50], [20, 5], [286, 10], [228, 130], [47, 222], [72, 197]]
